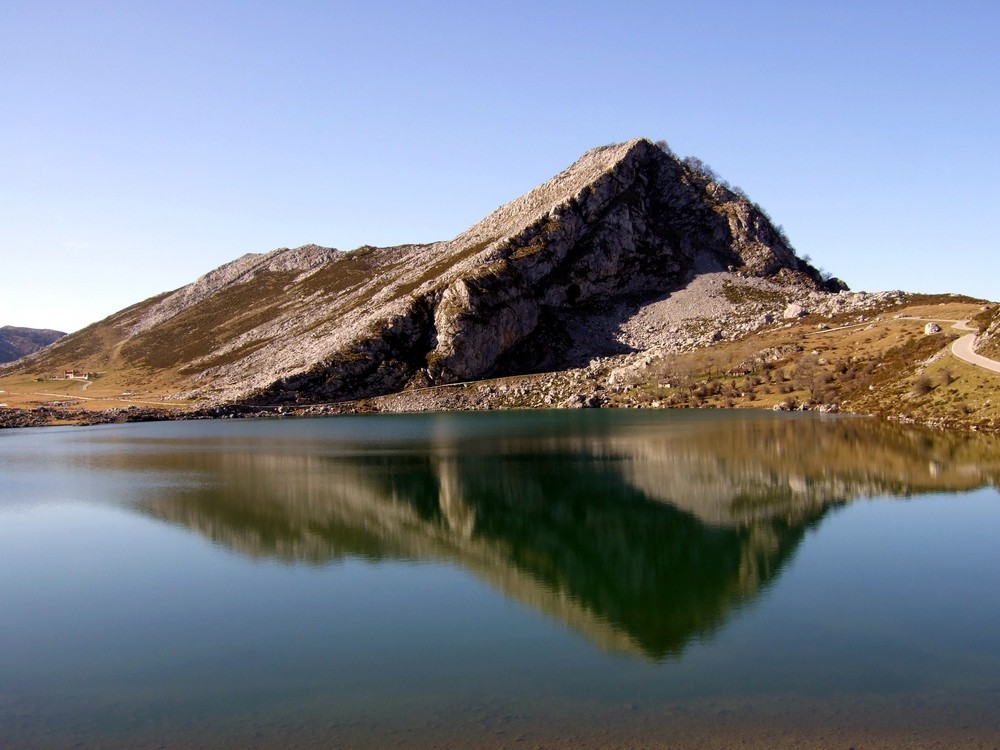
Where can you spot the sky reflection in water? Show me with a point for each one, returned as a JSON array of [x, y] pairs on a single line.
[[339, 577]]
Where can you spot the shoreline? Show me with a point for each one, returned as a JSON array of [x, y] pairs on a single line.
[[873, 358], [12, 418]]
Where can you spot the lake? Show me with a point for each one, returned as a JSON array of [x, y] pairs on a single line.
[[586, 578]]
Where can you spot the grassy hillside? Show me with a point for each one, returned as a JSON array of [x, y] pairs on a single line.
[[885, 366]]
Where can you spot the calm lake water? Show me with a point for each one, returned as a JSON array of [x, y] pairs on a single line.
[[535, 579]]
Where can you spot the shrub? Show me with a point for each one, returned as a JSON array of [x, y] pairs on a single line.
[[665, 147], [700, 168], [922, 386]]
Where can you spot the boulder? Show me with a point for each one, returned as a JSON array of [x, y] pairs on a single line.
[[794, 310]]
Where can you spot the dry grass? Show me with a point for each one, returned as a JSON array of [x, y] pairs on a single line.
[[200, 330], [441, 266], [102, 394], [872, 368]]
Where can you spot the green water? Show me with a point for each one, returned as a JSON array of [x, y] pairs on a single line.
[[494, 580]]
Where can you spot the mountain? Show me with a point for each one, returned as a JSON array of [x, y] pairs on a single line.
[[19, 342], [539, 284]]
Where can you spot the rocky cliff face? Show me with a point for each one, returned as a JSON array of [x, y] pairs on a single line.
[[988, 342], [624, 225], [19, 342]]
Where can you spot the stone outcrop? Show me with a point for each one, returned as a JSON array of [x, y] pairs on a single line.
[[988, 341], [625, 225]]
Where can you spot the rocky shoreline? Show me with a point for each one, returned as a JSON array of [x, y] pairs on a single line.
[[584, 388]]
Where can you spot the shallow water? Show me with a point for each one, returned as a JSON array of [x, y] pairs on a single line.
[[586, 579]]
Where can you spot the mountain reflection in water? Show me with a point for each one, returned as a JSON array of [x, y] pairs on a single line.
[[640, 533]]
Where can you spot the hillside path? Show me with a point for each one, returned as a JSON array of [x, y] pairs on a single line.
[[963, 348], [71, 397]]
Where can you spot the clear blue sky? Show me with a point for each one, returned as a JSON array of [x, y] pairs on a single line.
[[145, 143]]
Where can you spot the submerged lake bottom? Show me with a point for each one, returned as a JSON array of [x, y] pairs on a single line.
[[587, 579]]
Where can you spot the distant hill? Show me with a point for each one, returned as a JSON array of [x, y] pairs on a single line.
[[20, 342], [542, 283]]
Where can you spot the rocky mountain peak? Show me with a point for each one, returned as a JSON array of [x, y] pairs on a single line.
[[624, 225], [558, 191]]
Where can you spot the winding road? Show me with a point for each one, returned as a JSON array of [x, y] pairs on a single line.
[[963, 348]]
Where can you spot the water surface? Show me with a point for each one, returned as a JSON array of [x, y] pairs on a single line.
[[584, 579]]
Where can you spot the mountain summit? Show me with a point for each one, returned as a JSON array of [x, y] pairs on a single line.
[[623, 226]]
